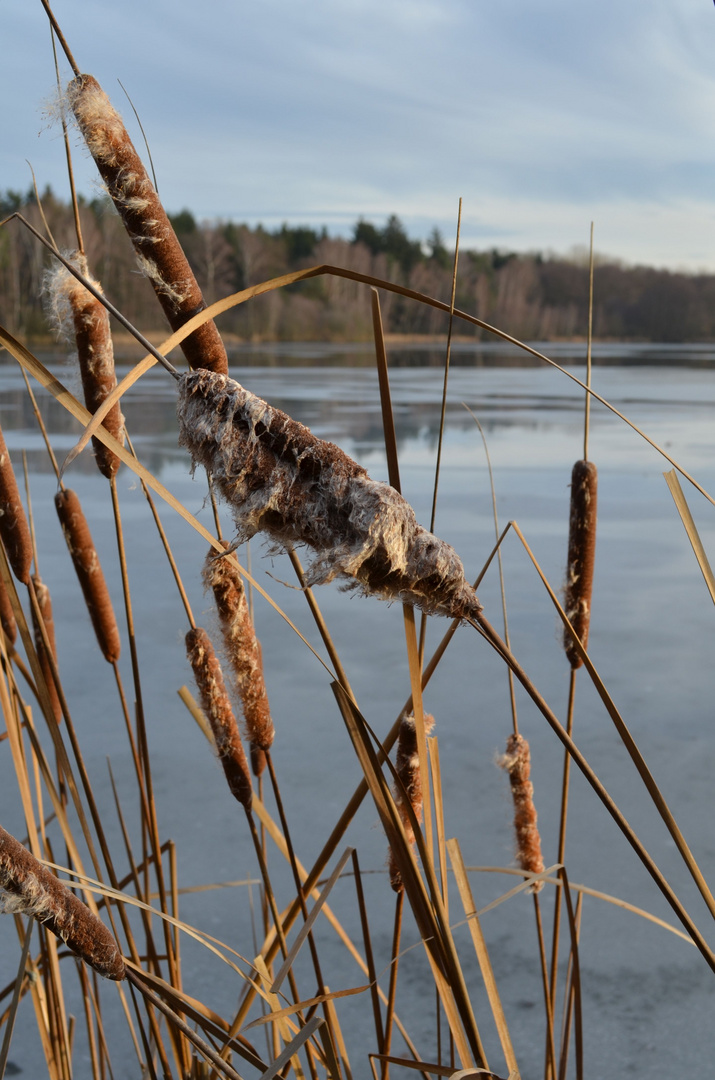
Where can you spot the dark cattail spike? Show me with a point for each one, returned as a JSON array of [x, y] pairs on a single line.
[[156, 246], [217, 707], [409, 791], [7, 615], [14, 529], [243, 653], [517, 762], [581, 556], [89, 573], [29, 888]]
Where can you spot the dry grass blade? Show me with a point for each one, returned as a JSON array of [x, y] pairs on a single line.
[[16, 995], [292, 1048], [686, 517], [308, 1003]]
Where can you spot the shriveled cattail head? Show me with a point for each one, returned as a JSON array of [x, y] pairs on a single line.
[[517, 762], [89, 572], [158, 251], [582, 555], [243, 653], [29, 888], [282, 480], [217, 706], [409, 791], [44, 603], [14, 530], [83, 320]]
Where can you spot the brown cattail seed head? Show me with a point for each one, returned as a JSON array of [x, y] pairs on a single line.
[[582, 555], [281, 479], [217, 706], [81, 318], [409, 790], [31, 889], [517, 763], [89, 572], [14, 530], [242, 651], [45, 605], [158, 252], [7, 615]]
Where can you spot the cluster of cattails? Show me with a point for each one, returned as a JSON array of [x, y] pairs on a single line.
[[84, 320], [282, 480], [29, 888], [243, 652], [44, 604], [517, 762], [217, 707], [89, 572], [409, 791], [581, 555], [158, 252]]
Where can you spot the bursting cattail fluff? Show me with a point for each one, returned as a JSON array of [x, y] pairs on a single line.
[[89, 572], [217, 707], [29, 888], [14, 530], [517, 762], [407, 767], [581, 556], [157, 249], [243, 653], [81, 318], [279, 478], [45, 605]]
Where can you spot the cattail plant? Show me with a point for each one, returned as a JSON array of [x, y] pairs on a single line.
[[14, 529], [157, 249], [517, 762], [44, 603], [83, 319], [217, 707], [409, 791], [279, 478], [7, 615], [243, 652], [31, 889], [581, 555], [89, 572]]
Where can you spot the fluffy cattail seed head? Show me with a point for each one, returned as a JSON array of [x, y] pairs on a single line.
[[158, 251], [581, 556], [281, 479], [217, 707], [407, 767], [89, 573], [243, 653], [517, 762], [29, 888]]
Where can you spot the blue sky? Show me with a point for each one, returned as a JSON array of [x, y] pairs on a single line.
[[541, 114]]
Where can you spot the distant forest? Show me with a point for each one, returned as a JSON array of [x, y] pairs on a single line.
[[532, 296]]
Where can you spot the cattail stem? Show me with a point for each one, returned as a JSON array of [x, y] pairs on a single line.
[[157, 249], [581, 555], [89, 573], [550, 1044], [392, 990], [33, 890]]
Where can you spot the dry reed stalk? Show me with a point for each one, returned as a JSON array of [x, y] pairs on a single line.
[[216, 705], [157, 249], [89, 572], [45, 605], [581, 556], [243, 652], [517, 763], [81, 318], [14, 529], [31, 889], [281, 479], [409, 791]]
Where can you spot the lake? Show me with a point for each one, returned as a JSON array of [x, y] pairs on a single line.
[[648, 995]]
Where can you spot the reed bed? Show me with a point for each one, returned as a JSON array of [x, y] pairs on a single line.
[[258, 991]]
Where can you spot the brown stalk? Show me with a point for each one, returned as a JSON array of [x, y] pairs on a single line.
[[157, 249], [281, 479], [89, 573], [581, 555], [14, 529], [243, 653], [34, 890]]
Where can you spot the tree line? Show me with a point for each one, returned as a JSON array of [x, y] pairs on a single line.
[[531, 296]]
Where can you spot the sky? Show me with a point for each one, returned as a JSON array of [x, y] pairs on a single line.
[[542, 115]]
